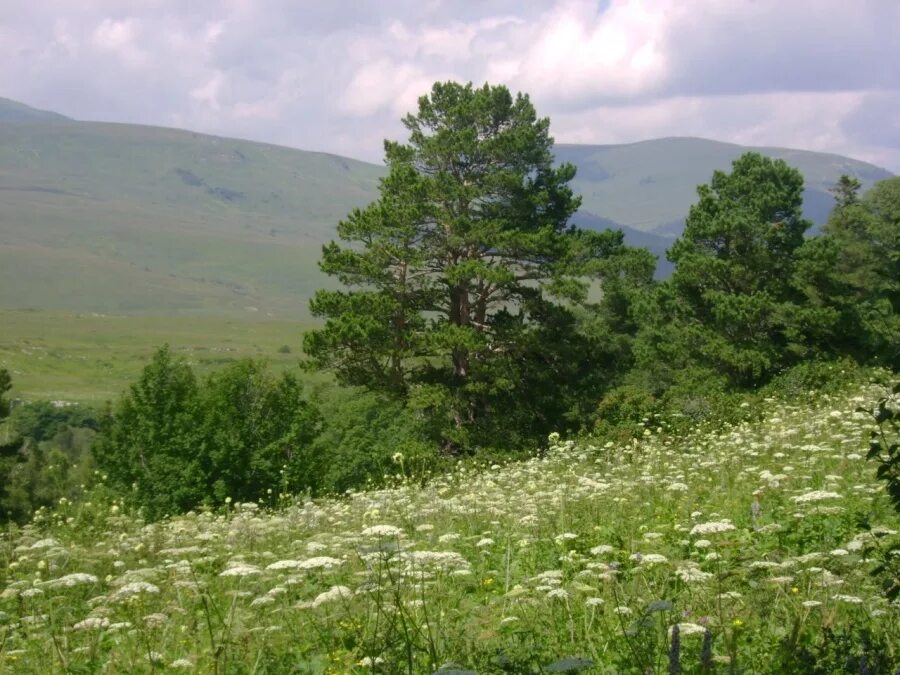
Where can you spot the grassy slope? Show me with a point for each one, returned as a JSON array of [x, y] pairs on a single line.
[[93, 358], [576, 554], [171, 220]]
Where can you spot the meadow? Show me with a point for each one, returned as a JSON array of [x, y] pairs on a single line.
[[93, 358], [746, 548]]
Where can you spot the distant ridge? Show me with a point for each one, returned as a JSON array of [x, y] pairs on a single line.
[[121, 218], [616, 180], [13, 111]]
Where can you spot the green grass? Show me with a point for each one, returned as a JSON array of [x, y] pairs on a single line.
[[594, 551], [92, 358]]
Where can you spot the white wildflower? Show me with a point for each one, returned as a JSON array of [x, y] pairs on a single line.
[[332, 594], [688, 629], [92, 623], [852, 599], [133, 589], [369, 661], [70, 580], [712, 527], [44, 543], [156, 619], [815, 496], [241, 570], [690, 574], [319, 563], [284, 565], [382, 531]]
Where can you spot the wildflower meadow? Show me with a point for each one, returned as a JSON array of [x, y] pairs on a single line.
[[747, 548]]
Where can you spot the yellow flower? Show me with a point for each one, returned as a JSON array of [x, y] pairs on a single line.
[[737, 623]]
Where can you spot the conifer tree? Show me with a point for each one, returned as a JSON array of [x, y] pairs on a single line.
[[730, 296], [850, 275], [462, 278]]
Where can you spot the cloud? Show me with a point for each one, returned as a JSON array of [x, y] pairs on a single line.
[[338, 76], [876, 120], [579, 53]]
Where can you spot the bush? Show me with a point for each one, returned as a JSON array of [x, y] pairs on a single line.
[[825, 377], [42, 420], [621, 413], [367, 438], [48, 459], [173, 444]]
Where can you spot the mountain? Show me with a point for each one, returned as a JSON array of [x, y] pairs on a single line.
[[13, 111], [122, 218], [649, 185]]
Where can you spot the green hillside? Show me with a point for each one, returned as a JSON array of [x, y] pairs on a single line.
[[132, 219], [123, 218], [650, 185]]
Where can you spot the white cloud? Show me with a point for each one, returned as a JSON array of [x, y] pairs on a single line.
[[577, 52], [120, 37], [338, 76]]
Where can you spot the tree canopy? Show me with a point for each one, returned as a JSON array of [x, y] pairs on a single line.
[[173, 443], [850, 274], [729, 304], [465, 274]]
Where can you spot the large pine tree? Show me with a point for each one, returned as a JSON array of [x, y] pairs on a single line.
[[463, 279], [730, 305]]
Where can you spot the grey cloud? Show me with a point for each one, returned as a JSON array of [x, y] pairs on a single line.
[[280, 71], [876, 122], [794, 46]]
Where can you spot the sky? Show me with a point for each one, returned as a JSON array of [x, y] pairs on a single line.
[[338, 75]]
